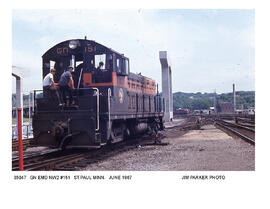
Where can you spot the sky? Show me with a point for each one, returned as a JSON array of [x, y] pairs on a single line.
[[208, 49]]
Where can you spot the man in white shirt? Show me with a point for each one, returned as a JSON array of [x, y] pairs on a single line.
[[49, 86]]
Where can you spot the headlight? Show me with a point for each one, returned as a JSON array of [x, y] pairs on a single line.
[[73, 44]]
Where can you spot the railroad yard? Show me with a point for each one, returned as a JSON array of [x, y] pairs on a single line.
[[195, 143], [114, 119]]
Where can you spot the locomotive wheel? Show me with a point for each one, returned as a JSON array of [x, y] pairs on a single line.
[[118, 132], [153, 129]]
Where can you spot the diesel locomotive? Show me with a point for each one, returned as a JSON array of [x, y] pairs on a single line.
[[111, 105]]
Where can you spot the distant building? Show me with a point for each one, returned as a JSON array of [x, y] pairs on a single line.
[[212, 109], [181, 111], [251, 111], [205, 111], [225, 107], [197, 112]]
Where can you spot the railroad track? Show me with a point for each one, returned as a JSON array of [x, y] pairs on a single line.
[[109, 151], [247, 125], [239, 125], [49, 160], [75, 159], [26, 143], [32, 157], [186, 126], [246, 133], [190, 123], [245, 120]]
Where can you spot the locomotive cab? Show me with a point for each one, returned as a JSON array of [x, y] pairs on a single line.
[[85, 57], [85, 62]]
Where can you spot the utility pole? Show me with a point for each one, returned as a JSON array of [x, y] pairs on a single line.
[[234, 99], [215, 102]]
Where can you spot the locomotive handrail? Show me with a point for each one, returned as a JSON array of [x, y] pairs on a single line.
[[34, 109], [97, 108], [109, 107], [79, 79]]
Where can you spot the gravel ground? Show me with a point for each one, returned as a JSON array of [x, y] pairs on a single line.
[[199, 150], [175, 122]]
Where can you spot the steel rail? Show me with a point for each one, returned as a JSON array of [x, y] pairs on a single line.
[[246, 120], [246, 138], [32, 156], [50, 162], [237, 126], [26, 143], [247, 125], [53, 163]]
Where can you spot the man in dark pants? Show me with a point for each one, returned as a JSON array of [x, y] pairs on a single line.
[[50, 87], [66, 84]]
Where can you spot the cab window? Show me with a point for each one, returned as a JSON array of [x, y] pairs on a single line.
[[122, 66], [99, 58]]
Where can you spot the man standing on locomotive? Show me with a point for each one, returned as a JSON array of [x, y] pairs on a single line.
[[49, 86], [66, 84]]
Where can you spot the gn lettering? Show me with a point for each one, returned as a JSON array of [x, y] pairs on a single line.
[[63, 50], [89, 49]]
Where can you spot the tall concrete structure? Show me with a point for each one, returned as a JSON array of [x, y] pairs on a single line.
[[166, 73], [234, 99]]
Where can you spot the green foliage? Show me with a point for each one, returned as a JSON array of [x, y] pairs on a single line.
[[198, 101], [25, 99]]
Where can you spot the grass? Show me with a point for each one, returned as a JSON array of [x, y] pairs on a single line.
[[25, 120]]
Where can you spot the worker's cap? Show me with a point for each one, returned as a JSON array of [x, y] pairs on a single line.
[[70, 67]]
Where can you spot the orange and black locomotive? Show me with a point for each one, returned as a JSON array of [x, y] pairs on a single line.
[[110, 104]]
